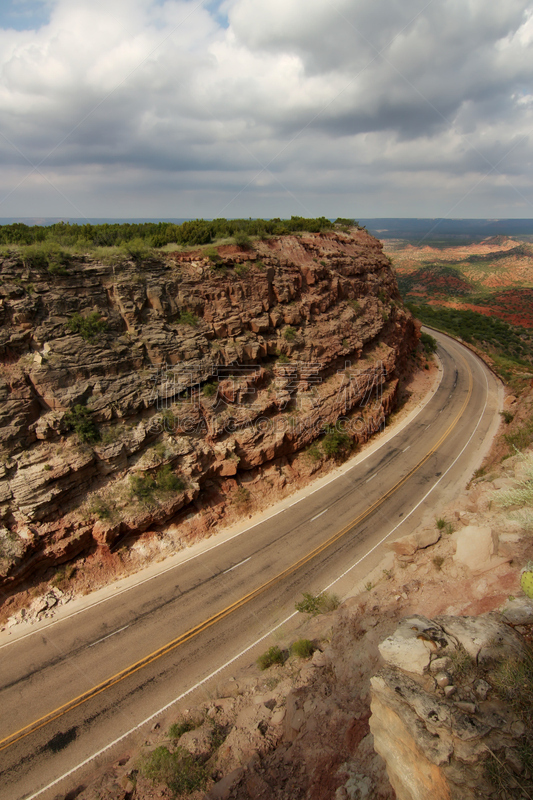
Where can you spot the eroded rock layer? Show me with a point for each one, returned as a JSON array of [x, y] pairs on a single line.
[[186, 372]]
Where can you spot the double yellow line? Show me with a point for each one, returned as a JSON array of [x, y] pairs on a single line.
[[13, 738]]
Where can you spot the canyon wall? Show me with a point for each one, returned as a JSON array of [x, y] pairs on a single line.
[[135, 394]]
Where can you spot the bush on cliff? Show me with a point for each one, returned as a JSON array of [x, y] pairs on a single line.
[[89, 327], [79, 419]]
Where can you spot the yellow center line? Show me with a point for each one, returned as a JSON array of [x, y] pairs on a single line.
[[13, 738]]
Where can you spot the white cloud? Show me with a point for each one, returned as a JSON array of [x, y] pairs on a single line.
[[354, 107]]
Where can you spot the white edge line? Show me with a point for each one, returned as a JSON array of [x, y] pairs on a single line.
[[257, 641], [371, 478], [319, 515], [237, 565], [425, 496], [431, 393], [109, 635], [161, 710]]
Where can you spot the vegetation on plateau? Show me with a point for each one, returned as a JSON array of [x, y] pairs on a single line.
[[48, 243]]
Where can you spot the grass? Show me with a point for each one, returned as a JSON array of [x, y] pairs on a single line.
[[146, 488], [315, 604], [178, 770], [444, 526], [242, 497], [272, 656], [302, 648], [177, 729], [463, 665]]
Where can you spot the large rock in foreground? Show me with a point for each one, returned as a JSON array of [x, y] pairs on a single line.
[[460, 727]]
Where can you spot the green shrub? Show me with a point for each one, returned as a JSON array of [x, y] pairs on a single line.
[[188, 318], [335, 441], [438, 561], [429, 343], [138, 249], [142, 487], [282, 358], [315, 604], [179, 771], [314, 452], [213, 256], [89, 327], [241, 269], [303, 648], [289, 334], [243, 241], [209, 389], [79, 420], [177, 729], [241, 497], [145, 487], [506, 416], [99, 507], [272, 656]]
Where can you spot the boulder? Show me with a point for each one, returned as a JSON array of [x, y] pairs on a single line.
[[476, 548]]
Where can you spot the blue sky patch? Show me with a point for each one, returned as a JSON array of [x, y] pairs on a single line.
[[24, 15]]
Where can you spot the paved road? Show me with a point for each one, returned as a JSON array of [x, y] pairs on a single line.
[[69, 690]]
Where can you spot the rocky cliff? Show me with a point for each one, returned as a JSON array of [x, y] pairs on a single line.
[[137, 393]]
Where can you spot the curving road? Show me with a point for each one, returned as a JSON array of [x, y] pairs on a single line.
[[70, 689]]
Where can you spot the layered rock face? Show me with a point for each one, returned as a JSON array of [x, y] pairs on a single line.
[[185, 373], [451, 710]]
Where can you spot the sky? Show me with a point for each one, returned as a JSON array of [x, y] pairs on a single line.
[[266, 108]]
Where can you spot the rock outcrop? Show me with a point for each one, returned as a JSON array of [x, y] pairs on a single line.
[[132, 394], [454, 723]]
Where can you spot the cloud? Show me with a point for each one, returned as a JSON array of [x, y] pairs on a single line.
[[267, 107]]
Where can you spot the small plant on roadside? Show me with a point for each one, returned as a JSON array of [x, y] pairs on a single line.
[[302, 648], [444, 526], [63, 575], [335, 441], [369, 586], [513, 681], [313, 452], [429, 343], [315, 604], [463, 666], [272, 656], [177, 729], [180, 771], [241, 497], [438, 561], [526, 579], [506, 416]]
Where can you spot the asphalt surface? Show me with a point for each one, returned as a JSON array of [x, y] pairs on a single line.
[[69, 690]]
